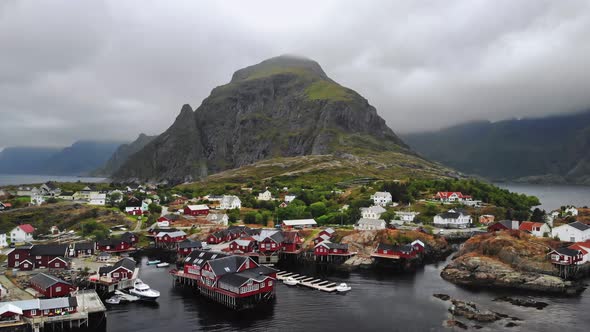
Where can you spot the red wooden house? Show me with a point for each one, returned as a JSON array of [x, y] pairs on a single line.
[[196, 210], [122, 270], [187, 246], [270, 241], [321, 238], [47, 307], [114, 245], [328, 232], [566, 256], [129, 237], [216, 237], [52, 256], [406, 251], [292, 241], [243, 244], [18, 255], [326, 248], [170, 237], [50, 286], [503, 225]]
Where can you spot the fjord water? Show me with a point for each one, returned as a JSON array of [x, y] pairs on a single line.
[[552, 196], [16, 179], [386, 301]]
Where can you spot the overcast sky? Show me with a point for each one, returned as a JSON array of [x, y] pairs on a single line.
[[109, 70]]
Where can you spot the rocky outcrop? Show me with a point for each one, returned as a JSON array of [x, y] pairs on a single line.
[[283, 107]]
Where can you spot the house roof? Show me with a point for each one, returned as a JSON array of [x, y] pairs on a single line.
[[528, 226], [329, 230], [374, 209], [27, 228], [450, 215], [197, 207], [371, 222], [383, 194], [9, 307], [299, 222], [200, 257], [243, 242], [229, 264], [49, 250], [578, 225], [567, 251], [59, 302], [45, 280], [84, 245], [447, 194], [576, 246], [290, 237], [171, 234], [190, 244], [403, 248], [332, 245], [127, 236], [27, 304], [127, 263]]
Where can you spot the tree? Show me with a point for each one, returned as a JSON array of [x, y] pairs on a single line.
[[317, 209], [113, 198], [538, 215], [154, 208], [250, 217]]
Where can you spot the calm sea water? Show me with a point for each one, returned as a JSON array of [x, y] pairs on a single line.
[[377, 302], [552, 196], [16, 179]]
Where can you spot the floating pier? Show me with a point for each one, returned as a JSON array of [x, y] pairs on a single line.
[[307, 281]]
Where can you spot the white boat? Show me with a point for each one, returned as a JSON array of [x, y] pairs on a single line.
[[143, 291], [116, 299], [343, 287], [164, 264], [289, 281], [126, 297]]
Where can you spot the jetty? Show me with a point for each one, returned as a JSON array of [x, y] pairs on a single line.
[[311, 282]]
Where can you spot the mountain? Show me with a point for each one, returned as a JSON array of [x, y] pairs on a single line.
[[282, 107], [121, 155], [24, 160], [78, 159], [550, 149]]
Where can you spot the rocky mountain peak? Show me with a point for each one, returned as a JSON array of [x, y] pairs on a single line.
[[279, 65]]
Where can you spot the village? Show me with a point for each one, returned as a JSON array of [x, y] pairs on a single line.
[[224, 251]]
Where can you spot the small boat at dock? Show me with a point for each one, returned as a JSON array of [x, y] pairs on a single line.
[[343, 287], [120, 298], [154, 262], [290, 281], [164, 264], [143, 291]]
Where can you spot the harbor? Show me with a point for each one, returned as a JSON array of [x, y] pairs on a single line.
[[310, 282]]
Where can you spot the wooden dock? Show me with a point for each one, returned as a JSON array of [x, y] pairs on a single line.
[[311, 282]]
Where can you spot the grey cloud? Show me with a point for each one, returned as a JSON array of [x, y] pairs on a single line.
[[110, 69]]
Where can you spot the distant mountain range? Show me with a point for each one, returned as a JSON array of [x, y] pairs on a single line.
[[80, 158], [121, 155], [282, 107], [553, 149]]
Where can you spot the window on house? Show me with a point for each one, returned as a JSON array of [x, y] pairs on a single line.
[[33, 312], [116, 275], [16, 256], [58, 289]]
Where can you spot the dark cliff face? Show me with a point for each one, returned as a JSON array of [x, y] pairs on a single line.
[[121, 155], [285, 106]]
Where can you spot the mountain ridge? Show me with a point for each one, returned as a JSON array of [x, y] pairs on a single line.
[[282, 107], [551, 149]]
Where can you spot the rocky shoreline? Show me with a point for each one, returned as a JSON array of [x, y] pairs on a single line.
[[478, 271]]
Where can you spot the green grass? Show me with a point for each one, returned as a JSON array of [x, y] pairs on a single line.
[[326, 90]]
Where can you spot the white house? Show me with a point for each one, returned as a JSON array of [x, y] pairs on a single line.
[[451, 196], [289, 198], [382, 198], [571, 210], [265, 196], [97, 199], [572, 232], [452, 219], [372, 212], [163, 224], [3, 242], [299, 223], [537, 229], [37, 199], [365, 224], [50, 189], [229, 202], [406, 216], [22, 233], [218, 218]]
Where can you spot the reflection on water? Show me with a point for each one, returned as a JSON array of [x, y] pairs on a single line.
[[379, 301]]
